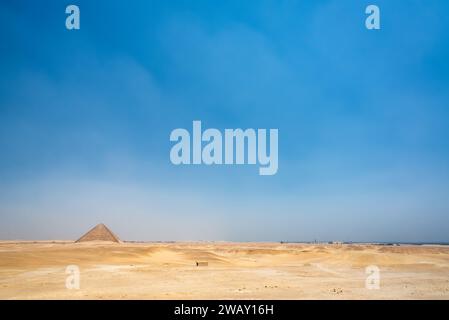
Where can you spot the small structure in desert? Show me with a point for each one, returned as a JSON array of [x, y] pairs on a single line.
[[336, 243], [99, 233]]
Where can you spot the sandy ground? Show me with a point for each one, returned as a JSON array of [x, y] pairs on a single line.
[[234, 271]]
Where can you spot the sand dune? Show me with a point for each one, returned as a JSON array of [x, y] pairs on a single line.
[[234, 271]]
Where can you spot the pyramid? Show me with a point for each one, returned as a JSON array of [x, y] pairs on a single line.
[[99, 233]]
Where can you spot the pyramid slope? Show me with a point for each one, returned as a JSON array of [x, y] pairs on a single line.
[[99, 233]]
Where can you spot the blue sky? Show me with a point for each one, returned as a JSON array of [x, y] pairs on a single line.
[[363, 119]]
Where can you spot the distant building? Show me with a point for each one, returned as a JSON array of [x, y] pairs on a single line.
[[336, 242]]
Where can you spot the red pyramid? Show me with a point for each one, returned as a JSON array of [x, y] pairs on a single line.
[[99, 233]]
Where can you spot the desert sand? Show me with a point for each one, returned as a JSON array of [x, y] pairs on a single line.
[[37, 270]]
